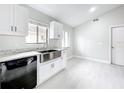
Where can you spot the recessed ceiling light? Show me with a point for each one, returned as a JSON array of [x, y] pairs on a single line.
[[92, 9]]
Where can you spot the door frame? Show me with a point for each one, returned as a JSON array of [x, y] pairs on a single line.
[[110, 41]]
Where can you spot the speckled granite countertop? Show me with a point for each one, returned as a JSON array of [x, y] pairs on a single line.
[[7, 55], [17, 56]]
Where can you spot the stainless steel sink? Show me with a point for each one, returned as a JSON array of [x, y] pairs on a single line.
[[47, 51], [47, 55]]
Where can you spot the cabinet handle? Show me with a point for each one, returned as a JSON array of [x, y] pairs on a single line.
[[58, 35], [11, 27], [15, 28], [112, 47], [52, 65]]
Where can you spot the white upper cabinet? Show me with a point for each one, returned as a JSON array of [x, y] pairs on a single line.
[[13, 20], [6, 19], [21, 20], [56, 30]]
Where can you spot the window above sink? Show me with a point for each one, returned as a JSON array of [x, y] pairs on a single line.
[[37, 33]]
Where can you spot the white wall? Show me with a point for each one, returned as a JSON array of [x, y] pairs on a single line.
[[70, 50], [92, 38], [15, 42]]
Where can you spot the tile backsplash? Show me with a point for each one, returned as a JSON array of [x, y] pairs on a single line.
[[14, 43]]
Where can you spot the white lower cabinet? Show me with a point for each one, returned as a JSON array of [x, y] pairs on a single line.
[[47, 70], [64, 58], [44, 72], [56, 66]]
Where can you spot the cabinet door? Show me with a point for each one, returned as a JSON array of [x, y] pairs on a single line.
[[61, 64], [0, 74], [64, 57], [59, 31], [6, 19], [52, 30], [44, 72], [56, 30], [20, 20], [56, 66]]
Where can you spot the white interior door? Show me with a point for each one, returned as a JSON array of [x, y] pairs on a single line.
[[118, 45]]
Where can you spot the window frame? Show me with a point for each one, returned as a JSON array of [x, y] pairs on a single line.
[[40, 24], [64, 40]]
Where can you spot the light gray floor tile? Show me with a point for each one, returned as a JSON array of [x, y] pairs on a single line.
[[81, 74]]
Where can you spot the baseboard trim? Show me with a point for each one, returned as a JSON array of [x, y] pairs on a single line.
[[93, 59], [70, 57]]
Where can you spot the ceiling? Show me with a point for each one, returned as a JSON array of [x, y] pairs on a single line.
[[74, 14]]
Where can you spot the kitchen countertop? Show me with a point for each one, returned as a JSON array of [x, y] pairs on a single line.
[[11, 55], [8, 57], [64, 48]]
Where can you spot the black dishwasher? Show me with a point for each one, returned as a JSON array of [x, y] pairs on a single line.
[[19, 73]]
